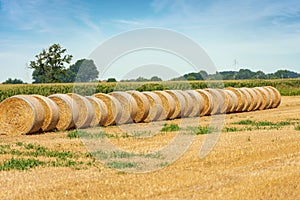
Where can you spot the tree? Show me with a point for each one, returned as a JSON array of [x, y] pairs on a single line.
[[111, 80], [49, 64], [261, 75], [203, 74], [155, 78], [190, 77], [141, 79], [245, 74], [286, 74], [228, 75], [13, 81], [83, 70]]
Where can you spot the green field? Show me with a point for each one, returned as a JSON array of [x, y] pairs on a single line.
[[287, 87]]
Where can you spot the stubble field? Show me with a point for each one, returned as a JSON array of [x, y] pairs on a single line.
[[257, 156]]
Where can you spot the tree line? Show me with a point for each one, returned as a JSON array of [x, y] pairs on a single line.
[[242, 74]]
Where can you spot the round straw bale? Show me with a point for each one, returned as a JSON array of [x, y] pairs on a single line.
[[155, 109], [197, 103], [143, 105], [265, 95], [253, 97], [227, 102], [272, 97], [114, 108], [85, 108], [100, 111], [68, 111], [21, 114], [247, 99], [168, 103], [277, 95], [51, 112], [259, 98], [241, 100], [180, 103], [218, 101], [208, 104], [233, 99], [189, 103], [129, 107]]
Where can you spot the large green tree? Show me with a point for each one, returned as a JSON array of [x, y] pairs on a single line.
[[83, 70], [49, 65], [245, 74]]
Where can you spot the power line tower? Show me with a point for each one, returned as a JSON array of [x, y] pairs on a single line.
[[235, 63]]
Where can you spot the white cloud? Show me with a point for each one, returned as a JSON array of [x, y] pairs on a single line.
[[128, 22]]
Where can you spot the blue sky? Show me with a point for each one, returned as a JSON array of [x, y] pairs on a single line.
[[259, 34]]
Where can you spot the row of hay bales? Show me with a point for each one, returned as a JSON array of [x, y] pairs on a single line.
[[25, 114]]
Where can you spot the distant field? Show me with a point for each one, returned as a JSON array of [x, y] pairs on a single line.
[[287, 87]]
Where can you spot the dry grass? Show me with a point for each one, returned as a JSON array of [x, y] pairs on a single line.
[[257, 164]]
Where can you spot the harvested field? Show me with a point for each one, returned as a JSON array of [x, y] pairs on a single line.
[[257, 156]]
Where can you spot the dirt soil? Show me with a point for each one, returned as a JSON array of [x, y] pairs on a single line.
[[247, 162]]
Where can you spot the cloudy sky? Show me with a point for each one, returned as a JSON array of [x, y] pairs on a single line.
[[258, 34]]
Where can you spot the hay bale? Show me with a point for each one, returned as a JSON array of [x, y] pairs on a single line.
[[240, 97], [197, 103], [254, 99], [85, 108], [21, 114], [265, 95], [114, 108], [233, 99], [227, 102], [180, 103], [217, 99], [272, 97], [51, 112], [168, 103], [143, 105], [259, 98], [277, 95], [68, 111], [208, 102], [100, 111], [247, 99], [129, 107], [155, 109], [188, 101]]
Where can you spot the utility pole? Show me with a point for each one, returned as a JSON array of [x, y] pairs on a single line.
[[235, 63]]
